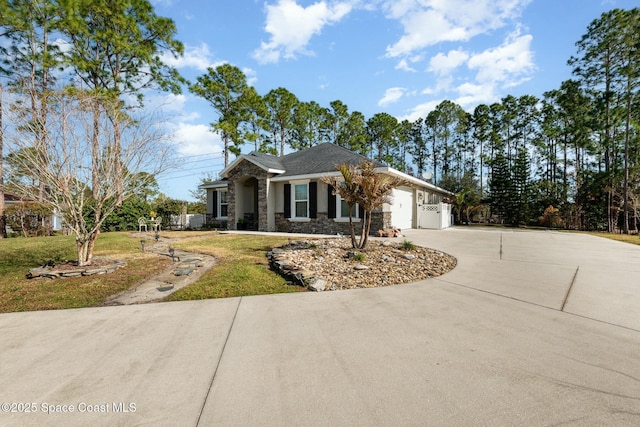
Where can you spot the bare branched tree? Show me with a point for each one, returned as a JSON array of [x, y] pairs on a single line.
[[68, 159], [366, 187], [3, 223]]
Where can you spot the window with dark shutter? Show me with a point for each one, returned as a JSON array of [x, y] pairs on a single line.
[[215, 203], [224, 205], [331, 202], [287, 200], [313, 199]]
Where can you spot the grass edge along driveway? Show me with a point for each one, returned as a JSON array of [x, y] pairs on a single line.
[[242, 269]]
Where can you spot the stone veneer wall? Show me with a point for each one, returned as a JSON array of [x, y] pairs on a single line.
[[325, 225], [212, 222], [380, 221], [243, 170]]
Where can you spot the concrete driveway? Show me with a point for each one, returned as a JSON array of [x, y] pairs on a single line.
[[531, 328]]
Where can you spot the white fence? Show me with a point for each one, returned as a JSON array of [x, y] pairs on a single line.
[[185, 221], [435, 216]]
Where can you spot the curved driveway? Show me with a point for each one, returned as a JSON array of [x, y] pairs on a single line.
[[531, 328]]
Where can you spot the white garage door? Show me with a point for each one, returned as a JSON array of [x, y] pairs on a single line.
[[402, 208]]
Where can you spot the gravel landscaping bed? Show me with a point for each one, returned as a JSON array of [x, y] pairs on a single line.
[[332, 264]]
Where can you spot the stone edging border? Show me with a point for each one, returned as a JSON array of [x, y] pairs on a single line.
[[89, 270], [305, 278]]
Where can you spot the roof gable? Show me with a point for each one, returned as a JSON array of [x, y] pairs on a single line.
[[264, 161]]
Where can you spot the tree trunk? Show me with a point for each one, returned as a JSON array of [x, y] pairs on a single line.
[[361, 241], [85, 246], [366, 229], [3, 222], [117, 148], [352, 230], [95, 150], [225, 139], [625, 190]]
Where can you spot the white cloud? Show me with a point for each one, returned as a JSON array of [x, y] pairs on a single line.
[[443, 84], [170, 103], [196, 139], [425, 28], [471, 94], [399, 8], [266, 54], [442, 64], [404, 66], [291, 27], [421, 110], [188, 134], [251, 74], [428, 22], [198, 57], [509, 62], [392, 95]]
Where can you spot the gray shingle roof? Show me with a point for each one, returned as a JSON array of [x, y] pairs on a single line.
[[321, 158], [266, 160], [214, 184]]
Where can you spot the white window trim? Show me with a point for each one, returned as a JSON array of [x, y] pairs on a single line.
[[219, 207], [295, 218], [339, 217]]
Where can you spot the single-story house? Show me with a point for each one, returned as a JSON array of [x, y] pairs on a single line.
[[263, 192], [11, 199]]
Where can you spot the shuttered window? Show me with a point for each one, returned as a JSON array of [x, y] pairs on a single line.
[[301, 200], [344, 210], [223, 206]]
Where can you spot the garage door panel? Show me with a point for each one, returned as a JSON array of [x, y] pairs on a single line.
[[402, 208]]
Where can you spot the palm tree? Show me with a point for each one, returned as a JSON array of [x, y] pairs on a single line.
[[347, 189], [366, 187], [460, 202]]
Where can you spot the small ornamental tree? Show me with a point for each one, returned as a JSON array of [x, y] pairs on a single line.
[[66, 163], [364, 186], [347, 188], [551, 218]]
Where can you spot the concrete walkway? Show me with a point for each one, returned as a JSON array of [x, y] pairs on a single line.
[[186, 268], [531, 328]]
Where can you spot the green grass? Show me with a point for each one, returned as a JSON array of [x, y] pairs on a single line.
[[242, 267], [627, 238], [408, 245], [18, 255], [359, 257]]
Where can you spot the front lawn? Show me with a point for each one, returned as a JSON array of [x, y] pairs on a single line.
[[18, 255], [242, 267], [241, 270]]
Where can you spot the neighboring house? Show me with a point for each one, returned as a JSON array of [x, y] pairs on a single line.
[[11, 199], [262, 192]]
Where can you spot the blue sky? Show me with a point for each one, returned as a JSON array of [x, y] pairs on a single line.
[[402, 57]]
